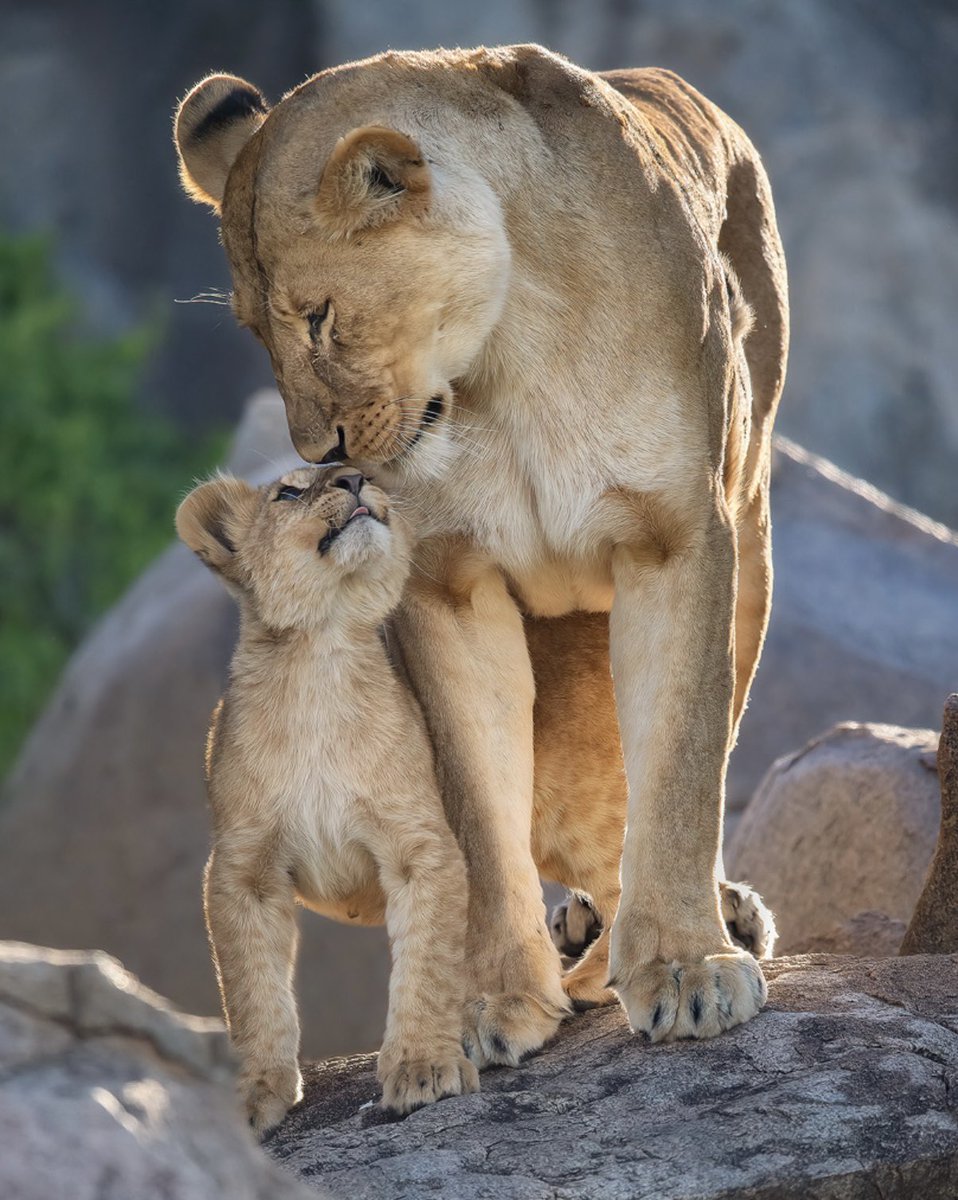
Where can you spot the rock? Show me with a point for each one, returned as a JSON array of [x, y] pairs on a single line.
[[862, 625], [105, 829], [934, 923], [867, 934], [107, 1091], [842, 1089], [846, 826]]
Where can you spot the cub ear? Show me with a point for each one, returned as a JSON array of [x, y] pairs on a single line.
[[374, 175], [214, 518], [211, 126]]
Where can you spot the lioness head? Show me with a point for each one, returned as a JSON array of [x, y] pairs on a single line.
[[371, 267], [316, 545]]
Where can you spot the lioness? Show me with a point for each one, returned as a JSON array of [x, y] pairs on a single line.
[[321, 783], [507, 285]]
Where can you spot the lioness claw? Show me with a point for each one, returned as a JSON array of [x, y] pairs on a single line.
[[668, 1001]]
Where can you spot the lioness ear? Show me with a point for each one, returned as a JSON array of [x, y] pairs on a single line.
[[211, 126], [374, 175], [214, 518]]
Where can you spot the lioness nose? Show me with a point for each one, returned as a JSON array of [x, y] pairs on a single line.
[[338, 452], [352, 481]]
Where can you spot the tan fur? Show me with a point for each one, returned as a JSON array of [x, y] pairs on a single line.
[[322, 785], [572, 283]]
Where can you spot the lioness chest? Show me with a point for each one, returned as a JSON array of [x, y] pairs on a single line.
[[547, 508]]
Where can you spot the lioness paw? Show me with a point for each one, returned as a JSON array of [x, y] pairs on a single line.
[[269, 1095], [699, 999], [749, 922], [412, 1082], [574, 925], [505, 1028], [586, 983]]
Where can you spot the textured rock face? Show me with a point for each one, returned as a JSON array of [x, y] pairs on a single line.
[[105, 832], [105, 1091], [842, 829], [842, 1089]]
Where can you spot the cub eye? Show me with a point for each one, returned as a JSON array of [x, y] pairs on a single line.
[[315, 320], [288, 492]]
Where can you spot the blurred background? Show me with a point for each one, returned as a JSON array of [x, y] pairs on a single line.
[[113, 396]]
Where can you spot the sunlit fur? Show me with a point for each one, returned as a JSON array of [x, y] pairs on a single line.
[[584, 271], [322, 785]]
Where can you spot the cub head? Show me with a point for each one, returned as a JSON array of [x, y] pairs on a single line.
[[320, 545], [372, 266]]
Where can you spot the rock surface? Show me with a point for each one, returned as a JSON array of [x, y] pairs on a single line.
[[845, 1088], [107, 1092], [844, 828], [104, 832]]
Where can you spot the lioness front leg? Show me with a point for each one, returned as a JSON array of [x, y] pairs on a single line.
[[251, 919], [673, 964], [465, 650], [423, 877]]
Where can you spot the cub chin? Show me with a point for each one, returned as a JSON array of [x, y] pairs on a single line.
[[321, 782]]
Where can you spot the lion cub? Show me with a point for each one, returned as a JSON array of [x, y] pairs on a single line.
[[321, 782]]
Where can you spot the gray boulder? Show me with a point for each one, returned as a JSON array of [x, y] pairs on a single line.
[[839, 836], [842, 1089], [106, 1091]]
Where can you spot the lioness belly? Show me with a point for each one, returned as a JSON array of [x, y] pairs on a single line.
[[555, 587]]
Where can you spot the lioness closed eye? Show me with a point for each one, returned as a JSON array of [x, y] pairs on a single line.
[[321, 782]]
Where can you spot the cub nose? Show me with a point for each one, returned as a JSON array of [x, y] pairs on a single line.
[[351, 481]]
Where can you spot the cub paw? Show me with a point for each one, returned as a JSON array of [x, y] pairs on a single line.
[[269, 1095], [574, 925], [667, 1001], [505, 1028], [413, 1082], [749, 922]]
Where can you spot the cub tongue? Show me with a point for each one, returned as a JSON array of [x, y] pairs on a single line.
[[361, 511]]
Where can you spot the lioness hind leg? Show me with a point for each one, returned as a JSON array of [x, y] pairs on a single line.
[[580, 794], [574, 925], [749, 922]]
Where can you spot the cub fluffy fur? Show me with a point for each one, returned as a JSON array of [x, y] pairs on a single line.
[[321, 782], [521, 291]]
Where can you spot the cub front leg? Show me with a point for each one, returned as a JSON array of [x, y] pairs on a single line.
[[424, 880], [464, 648], [672, 961], [251, 920]]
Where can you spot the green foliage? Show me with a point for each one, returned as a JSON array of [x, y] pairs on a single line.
[[88, 482]]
